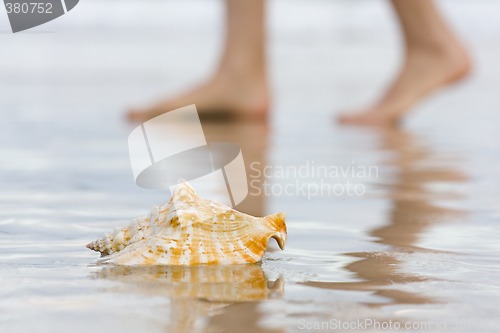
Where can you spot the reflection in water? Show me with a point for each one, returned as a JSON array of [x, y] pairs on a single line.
[[412, 195], [234, 283], [253, 140], [195, 292], [413, 210]]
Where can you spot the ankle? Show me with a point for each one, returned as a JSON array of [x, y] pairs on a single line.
[[451, 56], [442, 47], [242, 66]]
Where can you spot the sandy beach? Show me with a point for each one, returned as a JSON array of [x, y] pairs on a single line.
[[388, 230]]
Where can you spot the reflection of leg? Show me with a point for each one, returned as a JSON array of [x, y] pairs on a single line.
[[434, 58], [254, 153], [239, 85]]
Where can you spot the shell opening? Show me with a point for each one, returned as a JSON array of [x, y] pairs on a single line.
[[276, 222], [280, 240]]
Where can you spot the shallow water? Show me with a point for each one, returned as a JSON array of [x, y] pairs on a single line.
[[414, 249], [419, 246]]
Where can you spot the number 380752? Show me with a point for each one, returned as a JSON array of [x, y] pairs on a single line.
[[31, 7]]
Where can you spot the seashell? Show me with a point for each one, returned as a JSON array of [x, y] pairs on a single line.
[[189, 230]]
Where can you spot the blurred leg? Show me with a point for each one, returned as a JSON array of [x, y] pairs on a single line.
[[434, 58], [239, 85]]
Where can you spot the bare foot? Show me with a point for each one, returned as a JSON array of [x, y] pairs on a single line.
[[225, 95], [424, 71]]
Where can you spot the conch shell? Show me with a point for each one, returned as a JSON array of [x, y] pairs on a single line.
[[189, 230]]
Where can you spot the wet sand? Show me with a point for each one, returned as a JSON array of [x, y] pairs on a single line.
[[418, 247]]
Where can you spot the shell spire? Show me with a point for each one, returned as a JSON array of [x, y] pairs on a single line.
[[189, 230], [139, 229]]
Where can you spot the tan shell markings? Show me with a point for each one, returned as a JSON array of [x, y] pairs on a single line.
[[189, 230]]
